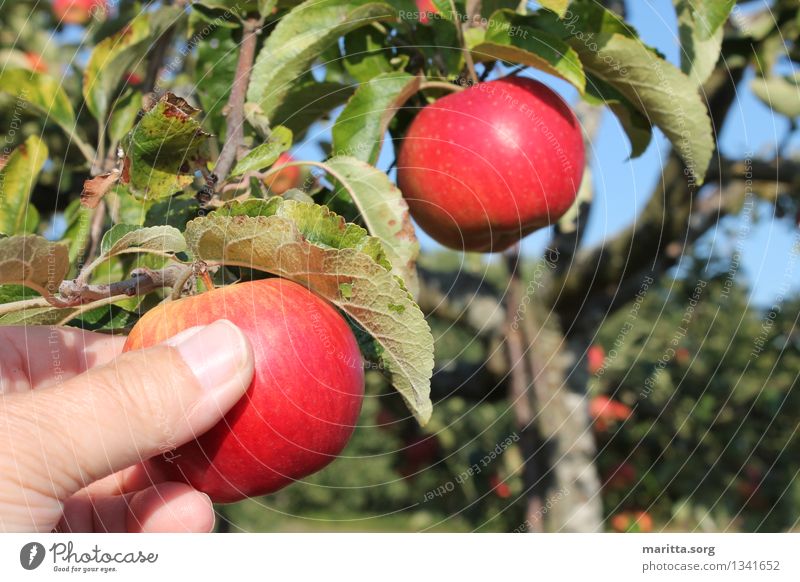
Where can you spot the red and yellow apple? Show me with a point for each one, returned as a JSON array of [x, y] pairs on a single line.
[[486, 166], [78, 11], [606, 411], [284, 179], [304, 400]]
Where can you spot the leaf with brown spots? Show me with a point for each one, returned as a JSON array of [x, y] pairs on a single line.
[[340, 262]]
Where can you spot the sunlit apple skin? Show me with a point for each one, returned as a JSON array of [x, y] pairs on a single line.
[[486, 166], [302, 405], [284, 179], [77, 11]]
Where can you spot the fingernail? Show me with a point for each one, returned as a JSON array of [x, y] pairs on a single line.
[[215, 353]]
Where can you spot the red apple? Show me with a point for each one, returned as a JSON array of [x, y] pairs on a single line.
[[36, 62], [426, 8], [133, 78], [486, 166], [285, 179], [500, 488], [302, 405], [596, 356], [632, 521], [77, 11], [605, 410]]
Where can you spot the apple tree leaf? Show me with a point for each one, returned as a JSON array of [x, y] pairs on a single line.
[[266, 154], [17, 178], [512, 38], [34, 262], [359, 129], [557, 6], [299, 38], [710, 15], [781, 94], [160, 150], [46, 96], [312, 246], [383, 210], [115, 56], [126, 238], [699, 54]]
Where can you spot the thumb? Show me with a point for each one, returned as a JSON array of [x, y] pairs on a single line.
[[141, 404]]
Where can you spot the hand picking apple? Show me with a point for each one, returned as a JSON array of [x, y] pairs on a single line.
[[79, 420]]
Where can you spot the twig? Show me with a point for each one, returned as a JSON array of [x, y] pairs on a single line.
[[73, 293], [235, 106], [440, 85], [460, 33]]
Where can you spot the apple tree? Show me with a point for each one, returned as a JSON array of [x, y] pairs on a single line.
[[156, 150]]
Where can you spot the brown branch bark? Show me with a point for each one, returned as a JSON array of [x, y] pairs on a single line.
[[73, 293], [235, 106]]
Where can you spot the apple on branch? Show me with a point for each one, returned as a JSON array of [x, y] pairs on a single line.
[[484, 167]]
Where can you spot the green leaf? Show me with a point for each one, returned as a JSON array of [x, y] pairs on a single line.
[[636, 126], [664, 95], [359, 130], [123, 115], [384, 211], [37, 316], [118, 54], [126, 238], [371, 296], [47, 97], [34, 262], [308, 101], [217, 57], [710, 15], [699, 55], [160, 149], [266, 154], [781, 94], [557, 6], [365, 54], [17, 179], [514, 39], [77, 235], [299, 37]]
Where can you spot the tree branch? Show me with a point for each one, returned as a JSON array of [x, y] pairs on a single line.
[[235, 106]]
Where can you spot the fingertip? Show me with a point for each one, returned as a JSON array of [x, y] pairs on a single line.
[[170, 508]]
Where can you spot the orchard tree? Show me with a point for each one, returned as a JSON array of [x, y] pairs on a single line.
[[146, 165]]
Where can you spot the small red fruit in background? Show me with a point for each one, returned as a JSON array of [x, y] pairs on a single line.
[[500, 488], [632, 522], [682, 356], [302, 405], [486, 166], [133, 79], [595, 357], [78, 11], [285, 179], [426, 8], [36, 62], [606, 411]]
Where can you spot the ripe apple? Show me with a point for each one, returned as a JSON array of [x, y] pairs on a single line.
[[500, 488], [596, 356], [285, 179], [605, 411], [36, 62], [484, 167], [632, 521], [77, 11], [426, 8], [302, 405]]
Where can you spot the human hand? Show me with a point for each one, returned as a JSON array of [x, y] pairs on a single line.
[[78, 420]]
